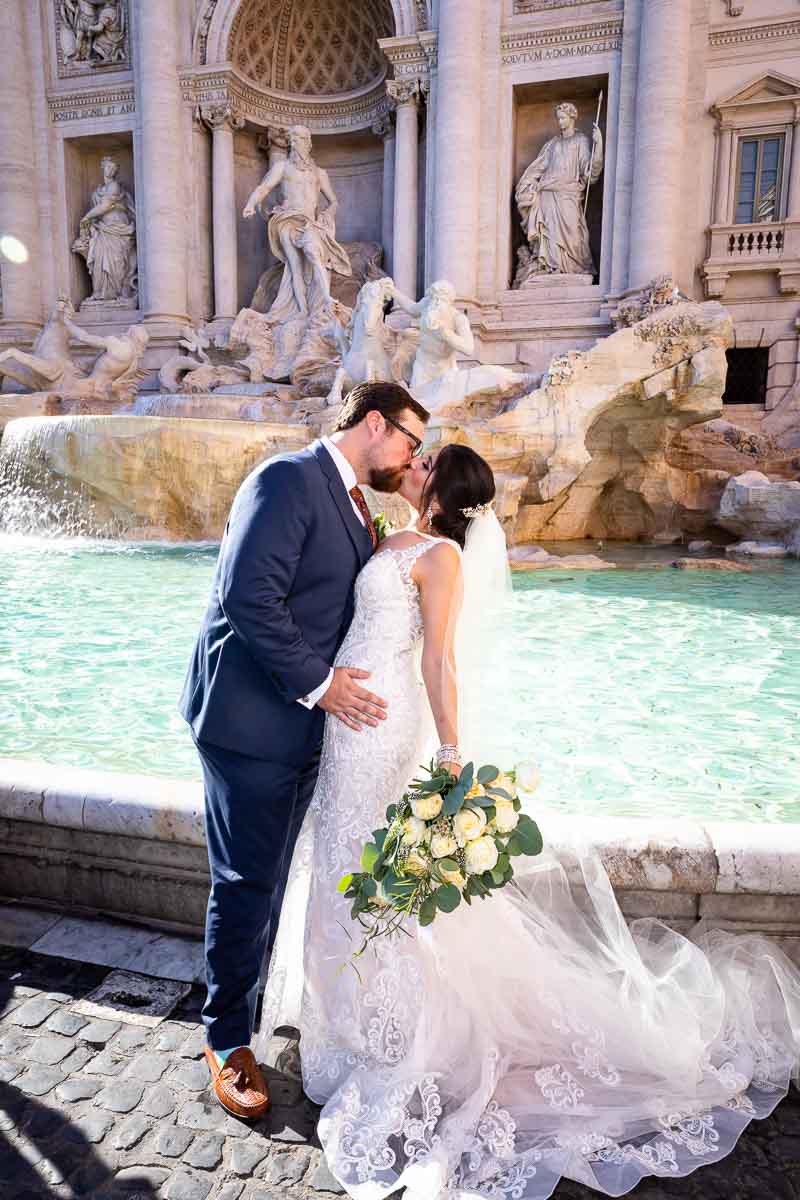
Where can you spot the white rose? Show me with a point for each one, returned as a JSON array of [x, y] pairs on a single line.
[[443, 844], [506, 783], [453, 877], [505, 818], [468, 824], [481, 855], [427, 807], [528, 776], [415, 864], [413, 831]]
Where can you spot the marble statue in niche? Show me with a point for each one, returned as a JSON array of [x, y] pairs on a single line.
[[107, 240], [301, 233], [550, 198], [93, 32], [436, 379]]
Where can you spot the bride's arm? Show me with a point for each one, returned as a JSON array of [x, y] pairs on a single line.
[[439, 578]]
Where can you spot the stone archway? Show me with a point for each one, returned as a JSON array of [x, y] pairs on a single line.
[[216, 19]]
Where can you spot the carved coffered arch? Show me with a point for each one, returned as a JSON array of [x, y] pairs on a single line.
[[216, 18], [283, 62]]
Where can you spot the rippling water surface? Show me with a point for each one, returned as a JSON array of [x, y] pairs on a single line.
[[638, 691]]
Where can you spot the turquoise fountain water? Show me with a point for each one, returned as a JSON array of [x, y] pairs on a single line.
[[639, 692]]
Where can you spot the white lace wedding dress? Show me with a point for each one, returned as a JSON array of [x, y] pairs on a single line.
[[528, 1037]]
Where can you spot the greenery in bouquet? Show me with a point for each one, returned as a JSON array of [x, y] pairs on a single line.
[[447, 840], [383, 526]]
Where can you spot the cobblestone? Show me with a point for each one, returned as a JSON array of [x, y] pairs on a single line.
[[106, 1063], [131, 1039], [158, 1102], [97, 1033], [38, 1080], [114, 1136], [191, 1075], [120, 1097], [149, 1067], [205, 1151], [131, 1132], [246, 1156], [66, 1022], [33, 1012], [50, 1050], [173, 1141], [185, 1185], [77, 1089], [195, 1044], [10, 1069]]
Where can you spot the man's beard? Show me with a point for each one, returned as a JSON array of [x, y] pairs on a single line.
[[386, 479]]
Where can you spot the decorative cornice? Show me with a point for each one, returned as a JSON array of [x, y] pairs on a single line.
[[413, 56], [224, 87], [521, 7], [402, 91], [743, 35], [568, 41], [95, 103], [218, 116]]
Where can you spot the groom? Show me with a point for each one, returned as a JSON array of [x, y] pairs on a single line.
[[261, 680]]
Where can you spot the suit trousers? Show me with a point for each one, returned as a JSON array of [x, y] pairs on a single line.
[[254, 811]]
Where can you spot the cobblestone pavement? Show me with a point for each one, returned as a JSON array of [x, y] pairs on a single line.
[[108, 1109]]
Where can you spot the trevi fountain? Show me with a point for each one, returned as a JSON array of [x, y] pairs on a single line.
[[572, 230]]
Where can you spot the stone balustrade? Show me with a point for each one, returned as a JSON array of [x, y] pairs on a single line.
[[133, 846]]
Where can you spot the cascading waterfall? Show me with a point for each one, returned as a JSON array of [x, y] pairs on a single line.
[[37, 496]]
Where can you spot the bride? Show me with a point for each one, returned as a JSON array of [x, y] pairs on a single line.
[[526, 1039]]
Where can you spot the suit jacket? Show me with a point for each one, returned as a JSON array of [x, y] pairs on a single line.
[[281, 603]]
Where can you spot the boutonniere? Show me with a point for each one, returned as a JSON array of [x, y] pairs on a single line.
[[383, 527]]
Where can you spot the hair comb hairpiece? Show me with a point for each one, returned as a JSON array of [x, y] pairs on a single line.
[[479, 510]]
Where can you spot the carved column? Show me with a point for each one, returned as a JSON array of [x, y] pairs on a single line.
[[793, 199], [724, 145], [19, 214], [661, 102], [162, 152], [223, 121], [384, 128], [458, 140], [405, 95]]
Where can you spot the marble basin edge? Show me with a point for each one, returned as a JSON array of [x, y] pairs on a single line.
[[657, 854]]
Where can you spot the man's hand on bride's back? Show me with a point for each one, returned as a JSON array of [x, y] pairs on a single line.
[[351, 703]]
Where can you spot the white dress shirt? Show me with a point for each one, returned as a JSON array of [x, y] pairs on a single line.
[[349, 480]]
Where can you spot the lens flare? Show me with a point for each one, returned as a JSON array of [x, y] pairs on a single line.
[[13, 249]]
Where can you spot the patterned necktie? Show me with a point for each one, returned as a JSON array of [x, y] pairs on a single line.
[[361, 505]]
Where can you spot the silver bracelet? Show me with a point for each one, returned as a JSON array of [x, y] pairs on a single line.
[[448, 754]]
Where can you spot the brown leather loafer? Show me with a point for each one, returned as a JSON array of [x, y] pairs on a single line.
[[240, 1086]]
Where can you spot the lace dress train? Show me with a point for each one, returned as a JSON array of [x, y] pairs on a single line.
[[527, 1038]]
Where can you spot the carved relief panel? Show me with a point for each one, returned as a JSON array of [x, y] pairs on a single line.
[[91, 35]]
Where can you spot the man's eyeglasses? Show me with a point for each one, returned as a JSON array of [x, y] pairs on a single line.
[[416, 443]]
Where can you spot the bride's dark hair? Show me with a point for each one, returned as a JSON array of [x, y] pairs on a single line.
[[460, 479]]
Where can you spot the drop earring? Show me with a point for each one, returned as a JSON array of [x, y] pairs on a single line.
[[429, 516]]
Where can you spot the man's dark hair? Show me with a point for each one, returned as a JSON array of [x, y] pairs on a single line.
[[389, 399]]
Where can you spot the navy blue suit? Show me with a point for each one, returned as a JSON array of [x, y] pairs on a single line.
[[281, 603]]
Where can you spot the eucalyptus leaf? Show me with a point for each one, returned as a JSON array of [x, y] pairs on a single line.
[[379, 837], [495, 791], [369, 888], [467, 776], [514, 844], [453, 801], [487, 774], [448, 897], [427, 910], [498, 877], [391, 813], [447, 864]]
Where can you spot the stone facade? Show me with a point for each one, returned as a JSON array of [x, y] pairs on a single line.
[[425, 118]]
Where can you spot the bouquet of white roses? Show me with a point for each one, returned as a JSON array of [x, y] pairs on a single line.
[[447, 840]]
